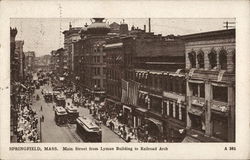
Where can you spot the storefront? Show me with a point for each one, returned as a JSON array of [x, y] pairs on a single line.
[[154, 128], [114, 108], [219, 125], [197, 117], [127, 115], [139, 116], [176, 131]]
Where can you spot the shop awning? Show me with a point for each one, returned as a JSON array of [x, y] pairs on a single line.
[[195, 111], [189, 139], [142, 109], [156, 122], [195, 81]]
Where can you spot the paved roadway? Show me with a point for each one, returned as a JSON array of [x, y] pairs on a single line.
[[51, 133]]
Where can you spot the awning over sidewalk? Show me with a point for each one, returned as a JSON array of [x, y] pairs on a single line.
[[141, 109], [156, 122], [189, 139]]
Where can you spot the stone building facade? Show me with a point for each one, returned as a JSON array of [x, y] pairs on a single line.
[[210, 65], [70, 36], [21, 59]]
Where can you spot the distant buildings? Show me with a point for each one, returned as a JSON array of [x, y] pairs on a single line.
[[59, 62], [29, 61], [42, 62]]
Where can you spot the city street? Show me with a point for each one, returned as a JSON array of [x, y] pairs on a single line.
[[51, 133]]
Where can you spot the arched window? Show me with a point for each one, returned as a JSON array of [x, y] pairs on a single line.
[[212, 58], [192, 59], [223, 59], [200, 59]]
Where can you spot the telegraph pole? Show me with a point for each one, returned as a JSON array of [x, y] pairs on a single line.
[[228, 25]]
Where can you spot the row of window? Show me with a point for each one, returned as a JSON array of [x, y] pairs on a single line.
[[113, 74], [91, 59], [170, 108], [170, 84], [218, 93], [96, 71], [197, 59], [113, 90]]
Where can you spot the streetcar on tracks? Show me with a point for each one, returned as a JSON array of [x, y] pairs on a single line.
[[60, 116], [88, 130], [73, 113], [48, 96], [60, 100]]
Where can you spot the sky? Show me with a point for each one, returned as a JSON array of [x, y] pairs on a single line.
[[44, 35]]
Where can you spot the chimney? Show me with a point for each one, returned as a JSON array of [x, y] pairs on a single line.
[[149, 25], [145, 28]]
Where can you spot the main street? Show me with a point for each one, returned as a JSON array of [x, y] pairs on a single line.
[[51, 133]]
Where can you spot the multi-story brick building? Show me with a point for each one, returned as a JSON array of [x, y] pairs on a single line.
[[114, 70], [21, 59], [89, 61], [14, 63], [210, 63], [157, 64], [70, 36], [58, 60]]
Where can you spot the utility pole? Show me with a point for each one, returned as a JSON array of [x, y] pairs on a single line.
[[149, 25], [60, 32], [229, 25]]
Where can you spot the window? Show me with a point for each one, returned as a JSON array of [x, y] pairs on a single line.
[[183, 114], [98, 82], [223, 59], [192, 59], [198, 89], [200, 58], [212, 56], [171, 109], [98, 71], [177, 111], [156, 104], [104, 71], [98, 59], [195, 89], [220, 93], [104, 59], [202, 90]]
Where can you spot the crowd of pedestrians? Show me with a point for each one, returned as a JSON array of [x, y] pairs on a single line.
[[27, 119]]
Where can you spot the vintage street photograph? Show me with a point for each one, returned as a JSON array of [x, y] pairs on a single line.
[[122, 80]]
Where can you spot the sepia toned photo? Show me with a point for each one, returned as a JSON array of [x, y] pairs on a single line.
[[122, 80]]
